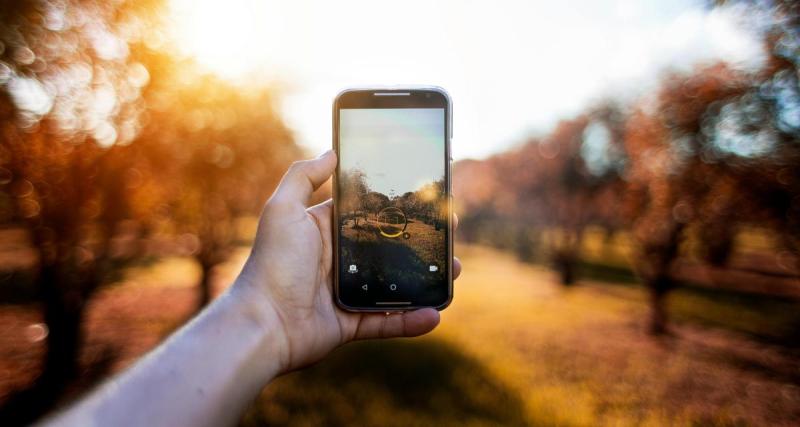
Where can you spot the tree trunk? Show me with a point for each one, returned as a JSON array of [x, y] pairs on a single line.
[[718, 240], [567, 255], [204, 292], [523, 246], [63, 307], [63, 312], [660, 281], [565, 266], [658, 305]]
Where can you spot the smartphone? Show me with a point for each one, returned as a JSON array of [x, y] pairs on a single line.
[[393, 247]]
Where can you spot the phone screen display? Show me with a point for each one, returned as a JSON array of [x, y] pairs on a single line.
[[392, 206]]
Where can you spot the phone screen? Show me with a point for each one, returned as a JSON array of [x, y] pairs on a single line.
[[393, 207]]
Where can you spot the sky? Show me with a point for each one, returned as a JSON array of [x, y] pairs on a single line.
[[399, 150], [512, 68]]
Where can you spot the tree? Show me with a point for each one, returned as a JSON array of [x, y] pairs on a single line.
[[374, 202], [69, 110], [353, 185], [720, 149], [221, 151], [561, 183]]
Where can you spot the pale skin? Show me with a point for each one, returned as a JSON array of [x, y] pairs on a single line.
[[278, 316]]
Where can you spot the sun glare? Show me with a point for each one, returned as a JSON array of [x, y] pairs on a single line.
[[230, 38], [512, 69]]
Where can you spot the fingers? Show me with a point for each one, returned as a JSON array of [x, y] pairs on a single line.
[[408, 324], [303, 178], [455, 221]]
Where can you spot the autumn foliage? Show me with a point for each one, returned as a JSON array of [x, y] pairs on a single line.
[[711, 152], [114, 150]]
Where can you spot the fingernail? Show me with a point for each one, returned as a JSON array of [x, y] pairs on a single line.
[[325, 153]]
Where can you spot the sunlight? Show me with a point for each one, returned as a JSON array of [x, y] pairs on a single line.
[[230, 38], [553, 61]]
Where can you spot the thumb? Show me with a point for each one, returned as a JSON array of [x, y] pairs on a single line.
[[303, 178]]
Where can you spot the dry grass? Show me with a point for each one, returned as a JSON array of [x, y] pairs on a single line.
[[513, 349], [427, 243], [516, 349]]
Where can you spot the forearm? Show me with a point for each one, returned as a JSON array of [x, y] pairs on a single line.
[[204, 375]]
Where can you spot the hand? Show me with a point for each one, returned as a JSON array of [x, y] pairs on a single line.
[[289, 275]]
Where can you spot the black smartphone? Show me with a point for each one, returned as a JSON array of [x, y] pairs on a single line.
[[393, 248]]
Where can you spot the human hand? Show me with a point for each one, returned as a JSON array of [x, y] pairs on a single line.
[[288, 276]]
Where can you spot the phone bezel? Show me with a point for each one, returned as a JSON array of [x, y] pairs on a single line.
[[394, 97]]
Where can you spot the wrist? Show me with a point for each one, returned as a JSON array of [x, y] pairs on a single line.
[[255, 305]]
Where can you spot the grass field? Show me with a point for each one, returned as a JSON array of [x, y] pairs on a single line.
[[426, 242], [513, 349]]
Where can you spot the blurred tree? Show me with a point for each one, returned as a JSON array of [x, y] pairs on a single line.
[[70, 105], [425, 203], [720, 149], [103, 126], [668, 174], [221, 149], [353, 184], [583, 181], [374, 202], [709, 151], [560, 184]]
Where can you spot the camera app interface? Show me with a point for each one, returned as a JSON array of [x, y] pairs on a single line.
[[392, 206]]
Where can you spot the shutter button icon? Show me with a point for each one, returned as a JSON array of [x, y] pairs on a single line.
[[353, 269]]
